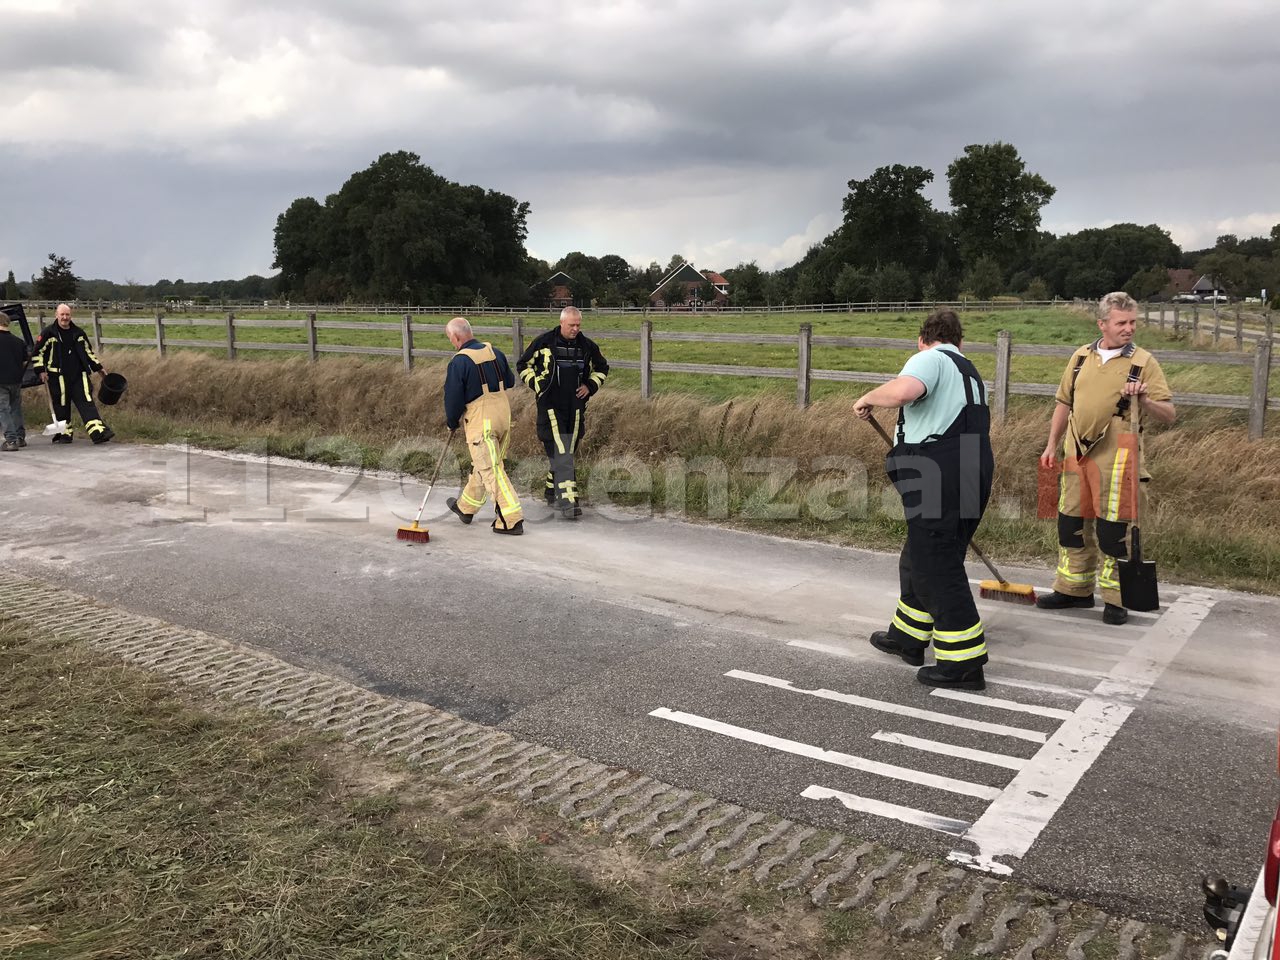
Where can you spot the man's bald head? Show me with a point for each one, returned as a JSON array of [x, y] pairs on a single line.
[[63, 315], [458, 330]]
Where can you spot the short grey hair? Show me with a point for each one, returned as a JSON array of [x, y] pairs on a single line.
[[1116, 301], [459, 327], [568, 312]]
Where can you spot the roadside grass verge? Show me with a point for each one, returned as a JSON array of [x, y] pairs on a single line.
[[751, 460], [139, 820]]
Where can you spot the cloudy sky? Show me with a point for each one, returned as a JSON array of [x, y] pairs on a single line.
[[151, 138]]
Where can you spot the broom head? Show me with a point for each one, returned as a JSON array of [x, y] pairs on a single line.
[[1007, 592], [414, 534]]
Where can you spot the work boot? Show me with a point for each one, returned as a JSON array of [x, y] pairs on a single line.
[[9, 446], [549, 495], [1114, 614], [881, 641], [951, 678], [569, 510], [22, 441], [102, 436], [516, 531], [1061, 601], [452, 504], [62, 438]]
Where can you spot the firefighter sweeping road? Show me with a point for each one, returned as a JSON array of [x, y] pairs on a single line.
[[1112, 765]]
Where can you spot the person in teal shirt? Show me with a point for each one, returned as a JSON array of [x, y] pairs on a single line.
[[942, 467]]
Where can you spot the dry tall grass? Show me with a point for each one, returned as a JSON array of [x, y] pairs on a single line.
[[1216, 498]]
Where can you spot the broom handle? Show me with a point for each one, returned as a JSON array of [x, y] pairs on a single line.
[[972, 545], [1137, 459], [434, 473]]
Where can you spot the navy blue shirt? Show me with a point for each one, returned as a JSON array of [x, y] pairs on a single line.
[[462, 381]]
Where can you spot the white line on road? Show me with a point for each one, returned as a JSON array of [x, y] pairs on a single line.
[[1016, 706], [858, 654], [893, 811], [1054, 668], [1011, 825], [980, 790], [950, 750], [1000, 729]]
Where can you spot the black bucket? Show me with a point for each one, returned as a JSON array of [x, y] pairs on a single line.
[[112, 388]]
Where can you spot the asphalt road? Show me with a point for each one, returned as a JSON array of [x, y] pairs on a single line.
[[1112, 765]]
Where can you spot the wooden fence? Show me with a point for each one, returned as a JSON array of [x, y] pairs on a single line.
[[1257, 403]]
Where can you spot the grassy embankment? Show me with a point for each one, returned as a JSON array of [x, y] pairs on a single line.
[[138, 820], [1216, 516]]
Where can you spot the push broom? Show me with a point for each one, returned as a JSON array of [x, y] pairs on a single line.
[[415, 533], [997, 589]]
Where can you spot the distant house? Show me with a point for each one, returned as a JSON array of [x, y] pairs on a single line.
[[1208, 286], [1180, 282], [687, 277], [559, 295]]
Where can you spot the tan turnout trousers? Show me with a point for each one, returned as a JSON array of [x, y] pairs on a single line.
[[487, 426]]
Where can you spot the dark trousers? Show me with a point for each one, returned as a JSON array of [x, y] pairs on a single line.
[[561, 432], [11, 412], [936, 601], [75, 388]]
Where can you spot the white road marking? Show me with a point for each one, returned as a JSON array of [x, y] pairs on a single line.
[[857, 654], [1011, 825], [950, 750], [919, 818], [1016, 706], [1021, 733], [934, 780], [1054, 668]]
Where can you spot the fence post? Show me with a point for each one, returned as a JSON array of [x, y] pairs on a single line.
[[160, 333], [311, 337], [1177, 325], [805, 366], [1239, 329], [97, 331], [1195, 324], [406, 341], [231, 335], [1217, 325], [1261, 376], [1004, 357], [517, 337], [646, 359]]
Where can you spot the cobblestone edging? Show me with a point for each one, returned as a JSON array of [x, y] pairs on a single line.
[[956, 911]]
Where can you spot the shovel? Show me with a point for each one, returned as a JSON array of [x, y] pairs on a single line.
[[56, 426], [1138, 587]]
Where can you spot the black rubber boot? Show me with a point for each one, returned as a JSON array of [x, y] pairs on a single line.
[[1062, 601], [952, 678], [881, 641], [452, 504]]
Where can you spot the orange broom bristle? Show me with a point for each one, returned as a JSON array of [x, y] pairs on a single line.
[[413, 534], [1007, 592]]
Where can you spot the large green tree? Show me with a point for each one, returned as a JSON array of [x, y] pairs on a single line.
[[746, 285], [56, 281], [399, 231], [1102, 259], [888, 220], [11, 287], [996, 203]]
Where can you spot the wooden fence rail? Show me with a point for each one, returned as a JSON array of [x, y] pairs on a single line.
[[1257, 402]]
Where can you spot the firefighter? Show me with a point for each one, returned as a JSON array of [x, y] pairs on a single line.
[[1090, 429], [564, 368], [942, 467], [64, 360], [475, 396]]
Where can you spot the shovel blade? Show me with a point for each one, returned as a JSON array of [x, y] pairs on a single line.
[[1138, 587]]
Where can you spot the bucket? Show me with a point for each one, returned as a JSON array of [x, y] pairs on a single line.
[[112, 388]]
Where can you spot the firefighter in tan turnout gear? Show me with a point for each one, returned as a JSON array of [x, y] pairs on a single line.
[[64, 359], [1091, 432], [475, 396]]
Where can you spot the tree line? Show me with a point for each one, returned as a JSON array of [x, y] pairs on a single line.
[[397, 232]]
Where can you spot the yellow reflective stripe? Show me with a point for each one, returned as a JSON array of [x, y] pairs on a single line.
[[88, 389], [1107, 578], [473, 502], [910, 630], [509, 498], [915, 614], [1117, 483], [577, 424], [62, 390], [959, 636], [598, 378], [960, 654], [555, 430]]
